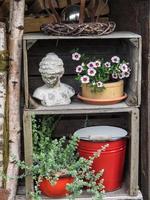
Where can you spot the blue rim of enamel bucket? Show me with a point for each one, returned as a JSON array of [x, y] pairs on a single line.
[[100, 133]]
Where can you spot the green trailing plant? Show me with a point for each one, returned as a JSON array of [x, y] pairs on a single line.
[[55, 158], [42, 131]]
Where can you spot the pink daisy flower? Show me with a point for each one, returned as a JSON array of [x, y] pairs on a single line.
[[85, 79], [107, 64], [79, 69], [124, 67], [127, 74], [115, 76], [76, 56], [91, 72], [99, 84], [91, 64], [97, 64], [121, 75], [115, 59]]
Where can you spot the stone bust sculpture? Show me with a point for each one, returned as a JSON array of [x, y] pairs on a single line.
[[53, 92]]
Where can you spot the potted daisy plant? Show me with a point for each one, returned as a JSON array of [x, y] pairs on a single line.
[[102, 81]]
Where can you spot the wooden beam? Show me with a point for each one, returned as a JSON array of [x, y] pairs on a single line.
[[15, 50]]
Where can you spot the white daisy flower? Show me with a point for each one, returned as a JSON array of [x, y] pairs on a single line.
[[85, 79], [76, 56], [91, 64], [124, 67], [115, 59], [107, 64], [91, 72], [121, 75], [97, 64], [79, 69], [99, 84], [115, 76], [127, 74]]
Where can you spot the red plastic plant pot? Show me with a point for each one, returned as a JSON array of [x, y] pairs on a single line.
[[57, 190]]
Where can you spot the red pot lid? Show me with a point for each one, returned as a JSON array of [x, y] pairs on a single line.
[[100, 133]]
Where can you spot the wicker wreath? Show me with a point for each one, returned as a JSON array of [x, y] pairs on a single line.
[[78, 29]]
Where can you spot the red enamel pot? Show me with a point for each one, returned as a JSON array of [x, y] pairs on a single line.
[[112, 159], [57, 190]]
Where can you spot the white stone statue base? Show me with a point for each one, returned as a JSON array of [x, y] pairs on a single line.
[[59, 95]]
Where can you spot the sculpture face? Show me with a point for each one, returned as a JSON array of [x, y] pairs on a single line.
[[51, 69], [51, 80]]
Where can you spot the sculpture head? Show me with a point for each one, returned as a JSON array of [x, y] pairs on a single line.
[[51, 69]]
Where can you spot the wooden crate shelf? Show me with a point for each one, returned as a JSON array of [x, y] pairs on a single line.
[[132, 176], [78, 106], [124, 44], [120, 194], [114, 35]]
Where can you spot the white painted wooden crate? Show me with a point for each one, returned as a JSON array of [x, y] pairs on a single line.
[[125, 44]]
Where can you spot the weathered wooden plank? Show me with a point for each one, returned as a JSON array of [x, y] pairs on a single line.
[[114, 35], [120, 194], [77, 107], [32, 24], [109, 197], [27, 126], [134, 155], [134, 82], [25, 63]]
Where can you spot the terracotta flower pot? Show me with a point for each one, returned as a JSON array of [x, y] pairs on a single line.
[[112, 91], [57, 190]]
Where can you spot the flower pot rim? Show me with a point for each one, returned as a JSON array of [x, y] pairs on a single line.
[[102, 101]]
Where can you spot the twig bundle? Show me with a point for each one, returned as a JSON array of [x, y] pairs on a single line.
[[79, 29]]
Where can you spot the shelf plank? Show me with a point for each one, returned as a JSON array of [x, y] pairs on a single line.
[[120, 194], [78, 107], [114, 35]]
